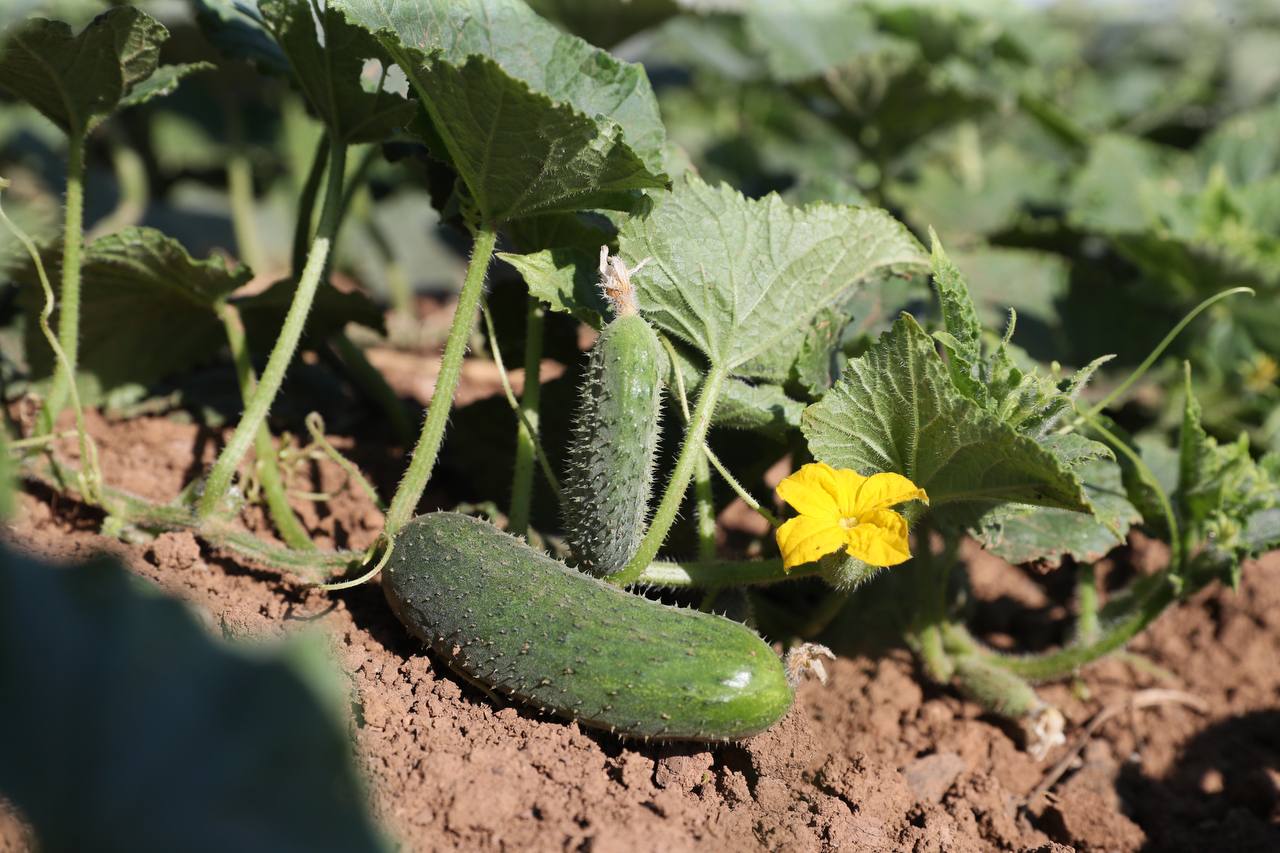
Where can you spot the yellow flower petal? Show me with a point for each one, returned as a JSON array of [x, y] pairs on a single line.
[[880, 539], [881, 491], [814, 490], [804, 539]]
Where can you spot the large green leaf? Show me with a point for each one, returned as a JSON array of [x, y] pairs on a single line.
[[77, 80], [742, 280], [895, 409], [138, 732], [327, 67], [1048, 535], [534, 120], [147, 310]]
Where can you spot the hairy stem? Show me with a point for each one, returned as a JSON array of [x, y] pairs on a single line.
[[716, 574], [69, 297], [286, 345], [1140, 607], [690, 452], [543, 461], [527, 426], [1087, 625], [307, 204], [414, 482], [282, 515]]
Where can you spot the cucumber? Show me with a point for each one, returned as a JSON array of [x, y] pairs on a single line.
[[521, 624], [609, 475]]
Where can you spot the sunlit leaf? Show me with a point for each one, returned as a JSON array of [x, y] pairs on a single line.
[[742, 280], [534, 120], [895, 409]]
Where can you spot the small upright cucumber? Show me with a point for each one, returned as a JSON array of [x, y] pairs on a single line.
[[609, 475], [520, 623]]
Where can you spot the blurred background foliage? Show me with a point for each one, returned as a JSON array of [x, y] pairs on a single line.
[[1098, 167]]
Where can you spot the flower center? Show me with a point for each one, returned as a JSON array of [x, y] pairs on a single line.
[[849, 523]]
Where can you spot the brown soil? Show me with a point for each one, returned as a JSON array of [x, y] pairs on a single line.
[[871, 761]]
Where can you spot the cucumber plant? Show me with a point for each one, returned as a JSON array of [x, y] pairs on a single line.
[[715, 307]]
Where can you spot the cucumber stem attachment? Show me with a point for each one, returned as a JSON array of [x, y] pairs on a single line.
[[414, 482], [286, 345]]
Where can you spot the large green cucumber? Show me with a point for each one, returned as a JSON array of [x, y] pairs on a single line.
[[524, 625], [609, 474]]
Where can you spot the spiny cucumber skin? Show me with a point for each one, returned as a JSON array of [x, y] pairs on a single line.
[[520, 623], [609, 476]]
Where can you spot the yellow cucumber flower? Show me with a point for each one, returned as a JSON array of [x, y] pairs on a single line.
[[840, 508]]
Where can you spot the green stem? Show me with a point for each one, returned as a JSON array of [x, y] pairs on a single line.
[[1087, 625], [307, 204], [69, 298], [282, 514], [295, 320], [1141, 607], [527, 426], [372, 382], [747, 497], [690, 452], [414, 482], [714, 574], [1145, 474], [543, 461], [926, 632], [240, 191], [1155, 354], [704, 508]]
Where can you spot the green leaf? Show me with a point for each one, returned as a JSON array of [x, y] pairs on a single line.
[[141, 733], [959, 314], [164, 81], [327, 66], [895, 409], [742, 280], [1048, 535], [147, 310], [565, 281], [76, 81], [533, 120]]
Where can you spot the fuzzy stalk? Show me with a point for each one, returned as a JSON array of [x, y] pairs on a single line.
[[690, 452], [414, 482], [530, 398], [69, 296], [282, 514], [286, 345], [1141, 606]]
